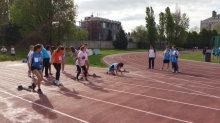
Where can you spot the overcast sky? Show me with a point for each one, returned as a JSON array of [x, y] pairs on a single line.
[[131, 13]]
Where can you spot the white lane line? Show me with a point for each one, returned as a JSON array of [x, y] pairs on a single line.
[[44, 106], [167, 83], [130, 108], [167, 100]]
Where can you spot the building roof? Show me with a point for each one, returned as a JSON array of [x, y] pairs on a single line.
[[211, 18], [101, 19]]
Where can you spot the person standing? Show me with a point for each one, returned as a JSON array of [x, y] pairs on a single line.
[[46, 61], [36, 59], [166, 59], [80, 63], [174, 59], [13, 52], [57, 58], [204, 51], [48, 48], [4, 50], [87, 60], [151, 56]]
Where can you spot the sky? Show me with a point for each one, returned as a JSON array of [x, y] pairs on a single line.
[[131, 13]]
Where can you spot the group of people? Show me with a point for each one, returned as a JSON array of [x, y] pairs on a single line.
[[4, 51], [40, 59], [169, 55], [216, 53]]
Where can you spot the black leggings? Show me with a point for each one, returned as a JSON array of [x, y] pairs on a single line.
[[151, 61], [79, 71], [57, 67], [175, 66], [46, 62]]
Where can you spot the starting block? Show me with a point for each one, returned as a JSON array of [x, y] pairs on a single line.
[[20, 87], [125, 71], [94, 75], [24, 61]]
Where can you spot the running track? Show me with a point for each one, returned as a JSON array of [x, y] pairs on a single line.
[[141, 96]]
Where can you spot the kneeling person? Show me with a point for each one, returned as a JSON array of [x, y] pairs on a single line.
[[116, 67]]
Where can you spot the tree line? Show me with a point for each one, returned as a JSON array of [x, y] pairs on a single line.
[[171, 30], [40, 21]]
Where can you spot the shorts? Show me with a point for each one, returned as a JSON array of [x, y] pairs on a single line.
[[166, 61], [111, 68], [34, 68], [64, 58], [12, 54]]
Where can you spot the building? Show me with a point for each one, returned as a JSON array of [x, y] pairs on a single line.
[[99, 28], [210, 22]]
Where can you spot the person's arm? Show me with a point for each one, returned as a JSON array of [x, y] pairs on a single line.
[[30, 58], [52, 57]]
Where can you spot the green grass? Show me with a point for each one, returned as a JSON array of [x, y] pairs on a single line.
[[196, 57], [94, 59]]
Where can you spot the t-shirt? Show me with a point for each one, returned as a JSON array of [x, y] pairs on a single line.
[[173, 57], [29, 53], [115, 65], [4, 50], [82, 57], [12, 50], [58, 56], [152, 53], [49, 53], [45, 53], [35, 59], [167, 54]]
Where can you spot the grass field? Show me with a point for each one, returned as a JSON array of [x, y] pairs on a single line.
[[196, 57], [95, 60]]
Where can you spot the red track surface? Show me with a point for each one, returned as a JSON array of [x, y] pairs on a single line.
[[141, 96]]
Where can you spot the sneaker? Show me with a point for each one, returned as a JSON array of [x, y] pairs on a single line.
[[39, 91], [173, 71], [167, 69], [33, 86], [64, 72], [77, 79], [176, 71], [57, 82], [179, 71], [161, 69], [54, 82], [86, 79], [107, 72], [50, 74]]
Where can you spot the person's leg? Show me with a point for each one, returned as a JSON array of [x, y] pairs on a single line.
[[112, 72], [39, 78], [85, 71], [57, 67], [78, 71], [63, 66], [152, 63], [49, 67], [46, 64], [149, 63], [175, 67], [87, 65], [43, 66]]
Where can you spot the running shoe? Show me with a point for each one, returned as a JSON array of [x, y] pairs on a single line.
[[39, 91], [33, 86], [50, 74], [161, 69], [86, 79]]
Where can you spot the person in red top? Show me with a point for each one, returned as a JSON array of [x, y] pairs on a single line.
[[57, 58]]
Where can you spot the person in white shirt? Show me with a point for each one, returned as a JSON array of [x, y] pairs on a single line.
[[4, 50], [80, 63], [13, 52], [87, 60], [28, 56], [151, 56]]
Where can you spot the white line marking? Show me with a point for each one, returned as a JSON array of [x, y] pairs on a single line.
[[130, 108], [44, 106]]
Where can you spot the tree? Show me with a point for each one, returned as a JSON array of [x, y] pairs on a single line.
[[151, 25], [109, 36], [3, 18], [181, 25], [48, 25], [81, 35], [217, 27], [169, 26], [195, 28], [121, 40], [139, 35], [12, 34], [161, 27]]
